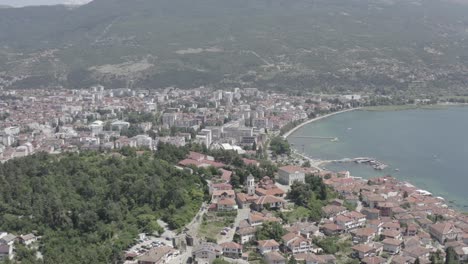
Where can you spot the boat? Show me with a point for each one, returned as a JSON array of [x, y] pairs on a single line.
[[334, 140]]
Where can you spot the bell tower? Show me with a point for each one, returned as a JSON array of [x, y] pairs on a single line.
[[250, 185]]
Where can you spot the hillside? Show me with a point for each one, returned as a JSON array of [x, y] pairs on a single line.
[[89, 207], [384, 46]]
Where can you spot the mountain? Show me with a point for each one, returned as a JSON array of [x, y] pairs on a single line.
[[22, 3], [383, 46]]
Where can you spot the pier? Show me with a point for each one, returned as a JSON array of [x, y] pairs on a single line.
[[330, 138]]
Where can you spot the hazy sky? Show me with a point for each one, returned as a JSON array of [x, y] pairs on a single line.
[[19, 3]]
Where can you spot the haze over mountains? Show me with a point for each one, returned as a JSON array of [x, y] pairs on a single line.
[[384, 46], [22, 3]]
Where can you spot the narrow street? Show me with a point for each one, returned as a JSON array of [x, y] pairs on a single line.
[[241, 215], [192, 230]]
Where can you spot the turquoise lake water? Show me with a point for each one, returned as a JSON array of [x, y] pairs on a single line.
[[428, 148]]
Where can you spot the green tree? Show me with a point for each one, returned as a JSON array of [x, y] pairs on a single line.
[[450, 256], [280, 146], [292, 260], [88, 206], [270, 230], [220, 261], [306, 164]]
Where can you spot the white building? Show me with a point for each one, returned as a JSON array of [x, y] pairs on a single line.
[[120, 125], [208, 134], [12, 131], [250, 185], [142, 141], [96, 127], [169, 119], [289, 174]]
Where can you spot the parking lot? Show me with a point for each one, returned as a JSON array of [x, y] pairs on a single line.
[[143, 245]]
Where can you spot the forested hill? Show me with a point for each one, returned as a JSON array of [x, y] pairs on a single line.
[[384, 46], [89, 207]]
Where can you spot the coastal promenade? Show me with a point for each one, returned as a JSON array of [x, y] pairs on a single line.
[[287, 134], [314, 163]]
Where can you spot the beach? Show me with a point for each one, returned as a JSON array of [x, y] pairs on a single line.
[[287, 134]]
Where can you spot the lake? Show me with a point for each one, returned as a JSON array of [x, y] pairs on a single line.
[[426, 147]]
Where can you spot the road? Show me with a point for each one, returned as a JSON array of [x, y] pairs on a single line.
[[241, 215], [192, 230]]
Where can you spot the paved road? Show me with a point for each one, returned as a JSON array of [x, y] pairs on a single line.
[[241, 215], [192, 230]]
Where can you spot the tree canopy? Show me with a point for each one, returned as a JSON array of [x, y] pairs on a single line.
[[270, 230], [280, 146], [312, 195], [88, 207]]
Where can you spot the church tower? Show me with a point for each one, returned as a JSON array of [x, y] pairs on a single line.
[[250, 185]]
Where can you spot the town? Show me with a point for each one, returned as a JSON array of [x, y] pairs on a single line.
[[268, 203]]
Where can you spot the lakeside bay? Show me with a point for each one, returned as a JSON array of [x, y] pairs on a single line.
[[428, 148]]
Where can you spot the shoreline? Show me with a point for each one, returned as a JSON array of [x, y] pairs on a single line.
[[287, 134], [387, 108], [319, 164]]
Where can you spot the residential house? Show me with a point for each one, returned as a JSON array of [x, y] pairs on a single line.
[[246, 234], [305, 229], [226, 204], [245, 200], [363, 235], [411, 230], [392, 234], [27, 239], [351, 220], [331, 229], [265, 246], [391, 226], [274, 258], [296, 244], [232, 250], [362, 250], [402, 260], [416, 252], [6, 252], [268, 202], [258, 218], [206, 253], [462, 253], [376, 224], [311, 258], [386, 208], [372, 200], [371, 213], [392, 246], [374, 260], [331, 211], [8, 239], [220, 187], [219, 194], [445, 231]]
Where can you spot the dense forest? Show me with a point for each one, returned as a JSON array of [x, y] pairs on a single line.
[[90, 206]]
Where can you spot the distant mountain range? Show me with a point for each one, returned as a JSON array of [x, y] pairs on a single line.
[[383, 46], [22, 3]]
